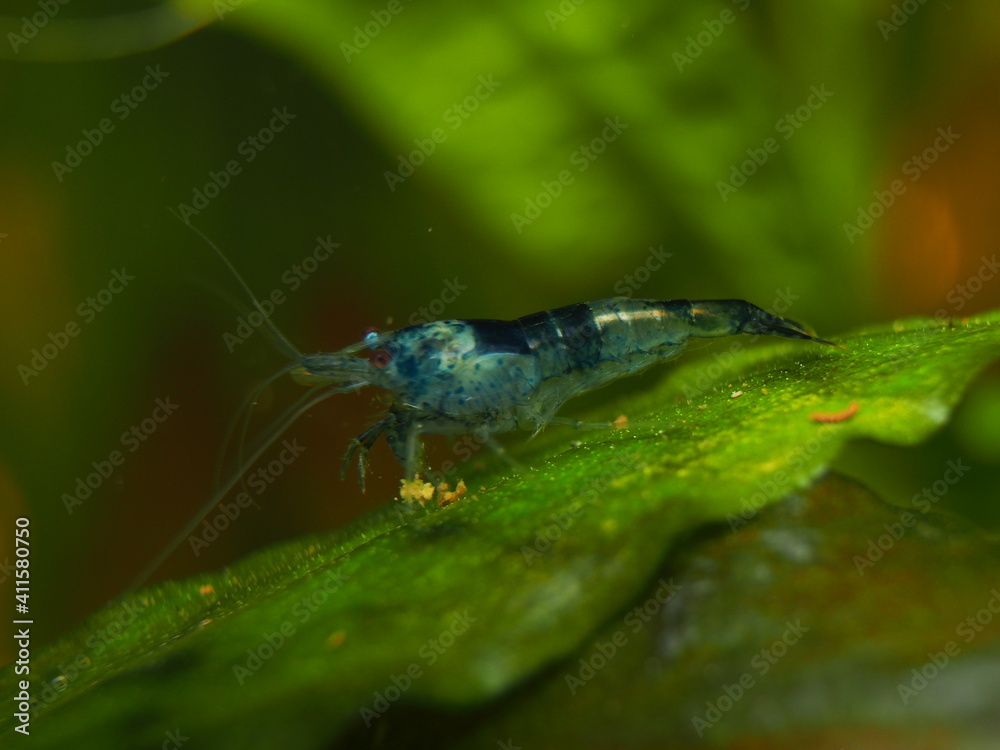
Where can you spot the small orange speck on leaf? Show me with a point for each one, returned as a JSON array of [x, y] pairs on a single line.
[[837, 416]]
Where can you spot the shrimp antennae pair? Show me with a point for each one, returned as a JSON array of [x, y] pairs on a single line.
[[242, 420], [306, 402]]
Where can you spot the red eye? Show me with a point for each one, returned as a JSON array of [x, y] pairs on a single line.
[[380, 358]]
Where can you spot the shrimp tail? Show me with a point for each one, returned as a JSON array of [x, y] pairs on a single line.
[[731, 316], [763, 322]]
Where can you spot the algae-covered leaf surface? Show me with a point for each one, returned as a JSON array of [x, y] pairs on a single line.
[[453, 607], [833, 621]]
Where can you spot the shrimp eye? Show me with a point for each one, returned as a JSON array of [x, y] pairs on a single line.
[[380, 358], [371, 334]]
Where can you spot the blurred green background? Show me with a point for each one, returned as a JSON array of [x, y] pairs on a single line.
[[746, 136]]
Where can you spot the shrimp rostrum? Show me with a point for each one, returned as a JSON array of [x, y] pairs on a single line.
[[485, 377]]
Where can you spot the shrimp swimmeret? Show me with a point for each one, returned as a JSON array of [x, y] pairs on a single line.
[[485, 377]]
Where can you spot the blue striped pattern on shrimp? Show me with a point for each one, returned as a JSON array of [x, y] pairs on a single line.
[[490, 376]]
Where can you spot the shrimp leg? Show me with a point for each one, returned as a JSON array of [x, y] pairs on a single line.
[[498, 448], [401, 431], [579, 424], [403, 436], [361, 445]]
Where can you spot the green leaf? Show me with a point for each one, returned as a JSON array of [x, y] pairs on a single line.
[[837, 621], [456, 606]]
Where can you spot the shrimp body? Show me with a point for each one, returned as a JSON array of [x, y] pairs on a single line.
[[491, 376]]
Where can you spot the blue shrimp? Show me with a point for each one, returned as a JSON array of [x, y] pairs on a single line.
[[485, 377]]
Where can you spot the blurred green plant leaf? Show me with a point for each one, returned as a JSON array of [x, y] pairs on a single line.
[[565, 134], [455, 606]]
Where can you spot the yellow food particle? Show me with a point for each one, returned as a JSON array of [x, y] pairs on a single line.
[[415, 490]]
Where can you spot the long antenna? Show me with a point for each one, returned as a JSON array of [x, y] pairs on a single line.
[[296, 410], [287, 345], [302, 405]]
